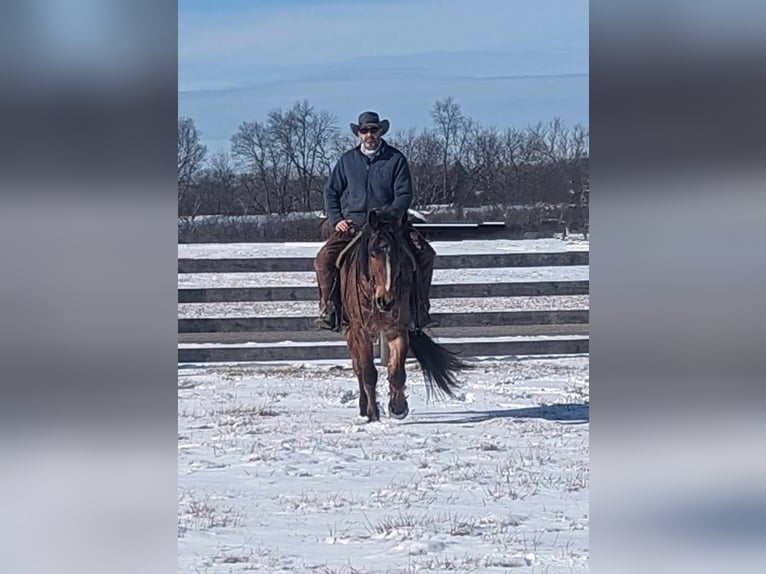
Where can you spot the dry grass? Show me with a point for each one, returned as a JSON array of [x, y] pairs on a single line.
[[241, 416], [196, 514]]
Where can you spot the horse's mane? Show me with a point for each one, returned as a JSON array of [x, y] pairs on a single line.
[[357, 258], [359, 255], [357, 293]]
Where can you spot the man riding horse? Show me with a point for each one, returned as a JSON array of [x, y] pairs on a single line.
[[375, 177]]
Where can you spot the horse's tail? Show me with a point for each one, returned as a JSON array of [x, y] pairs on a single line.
[[439, 364]]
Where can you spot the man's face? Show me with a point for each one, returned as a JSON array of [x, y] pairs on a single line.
[[369, 136]]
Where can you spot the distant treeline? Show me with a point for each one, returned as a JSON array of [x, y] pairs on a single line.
[[280, 164], [532, 221]]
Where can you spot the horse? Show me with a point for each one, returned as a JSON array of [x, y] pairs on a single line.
[[377, 292]]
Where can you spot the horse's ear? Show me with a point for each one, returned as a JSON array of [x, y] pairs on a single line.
[[373, 219]]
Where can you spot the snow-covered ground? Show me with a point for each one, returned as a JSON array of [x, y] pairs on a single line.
[[244, 250], [277, 475]]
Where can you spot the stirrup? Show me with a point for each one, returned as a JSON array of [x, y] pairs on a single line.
[[325, 323], [328, 319]]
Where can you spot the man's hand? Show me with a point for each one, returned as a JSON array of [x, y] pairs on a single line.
[[343, 225]]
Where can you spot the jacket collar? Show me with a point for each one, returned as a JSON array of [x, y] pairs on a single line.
[[377, 152]]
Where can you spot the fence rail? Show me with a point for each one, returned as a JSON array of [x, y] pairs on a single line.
[[438, 291], [286, 338], [485, 260], [336, 351]]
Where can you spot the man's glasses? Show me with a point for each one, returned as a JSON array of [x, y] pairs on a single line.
[[368, 130]]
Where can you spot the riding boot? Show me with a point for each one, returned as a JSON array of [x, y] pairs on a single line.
[[424, 256], [328, 317], [330, 309]]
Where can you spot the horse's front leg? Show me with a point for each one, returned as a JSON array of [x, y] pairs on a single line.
[[360, 346], [398, 345]]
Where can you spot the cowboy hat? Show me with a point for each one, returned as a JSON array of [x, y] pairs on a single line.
[[370, 120]]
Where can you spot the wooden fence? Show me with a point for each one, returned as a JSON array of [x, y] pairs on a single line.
[[496, 333]]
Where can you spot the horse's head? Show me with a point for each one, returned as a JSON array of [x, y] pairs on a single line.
[[385, 257]]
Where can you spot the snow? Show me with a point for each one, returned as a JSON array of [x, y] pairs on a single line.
[[456, 340], [303, 308], [277, 473], [299, 249]]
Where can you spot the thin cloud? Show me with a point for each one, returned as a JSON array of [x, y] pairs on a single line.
[[315, 34], [507, 62]]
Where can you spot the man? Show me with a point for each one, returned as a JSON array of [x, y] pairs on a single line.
[[375, 176]]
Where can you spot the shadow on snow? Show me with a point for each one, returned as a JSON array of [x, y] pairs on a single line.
[[570, 413]]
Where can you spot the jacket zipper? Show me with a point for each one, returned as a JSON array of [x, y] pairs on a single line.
[[366, 186]]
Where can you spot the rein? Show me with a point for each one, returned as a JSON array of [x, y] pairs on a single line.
[[342, 254]]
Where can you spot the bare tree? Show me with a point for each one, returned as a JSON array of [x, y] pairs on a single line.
[[481, 160], [269, 169], [222, 185], [564, 161], [190, 203], [282, 163], [577, 154], [191, 153], [306, 138], [579, 143], [423, 155], [279, 158], [449, 123]]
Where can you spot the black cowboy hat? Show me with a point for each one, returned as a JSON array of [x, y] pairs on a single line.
[[370, 120]]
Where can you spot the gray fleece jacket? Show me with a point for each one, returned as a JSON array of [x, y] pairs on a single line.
[[380, 182]]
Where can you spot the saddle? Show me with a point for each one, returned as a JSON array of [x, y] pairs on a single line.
[[334, 299]]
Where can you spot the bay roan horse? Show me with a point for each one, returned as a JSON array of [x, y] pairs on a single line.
[[377, 293]]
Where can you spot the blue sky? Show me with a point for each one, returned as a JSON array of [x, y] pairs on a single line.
[[506, 62]]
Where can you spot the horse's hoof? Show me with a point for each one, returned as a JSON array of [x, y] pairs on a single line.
[[374, 415], [399, 416]]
